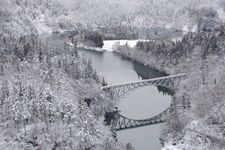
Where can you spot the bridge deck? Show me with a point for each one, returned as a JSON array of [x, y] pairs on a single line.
[[143, 81]]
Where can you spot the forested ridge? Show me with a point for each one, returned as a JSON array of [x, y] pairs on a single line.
[[42, 98], [45, 16], [197, 121]]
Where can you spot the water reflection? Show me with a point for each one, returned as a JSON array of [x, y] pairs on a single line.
[[143, 103], [146, 72], [140, 104]]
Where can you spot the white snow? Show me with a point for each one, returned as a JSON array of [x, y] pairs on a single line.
[[195, 28], [81, 46], [221, 13], [170, 147], [185, 29], [109, 44], [70, 44], [97, 49], [177, 39]]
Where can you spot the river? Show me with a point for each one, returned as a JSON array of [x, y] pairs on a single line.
[[141, 104]]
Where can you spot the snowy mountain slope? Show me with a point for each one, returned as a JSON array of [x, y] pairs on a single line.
[[46, 16], [42, 98], [198, 122]]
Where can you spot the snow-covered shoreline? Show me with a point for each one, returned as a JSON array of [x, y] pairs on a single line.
[[96, 49], [109, 45]]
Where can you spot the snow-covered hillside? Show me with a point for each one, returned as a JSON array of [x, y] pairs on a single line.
[[43, 96], [197, 122], [29, 16]]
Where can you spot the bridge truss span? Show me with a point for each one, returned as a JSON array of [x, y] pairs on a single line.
[[121, 122], [120, 90]]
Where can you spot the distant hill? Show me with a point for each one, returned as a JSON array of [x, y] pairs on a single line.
[[45, 16]]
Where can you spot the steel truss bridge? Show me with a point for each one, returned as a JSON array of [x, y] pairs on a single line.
[[119, 122], [117, 91]]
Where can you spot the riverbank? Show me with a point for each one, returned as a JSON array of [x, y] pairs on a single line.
[[147, 102], [110, 45], [96, 49], [204, 67]]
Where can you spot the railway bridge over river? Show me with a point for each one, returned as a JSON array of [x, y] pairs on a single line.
[[119, 122]]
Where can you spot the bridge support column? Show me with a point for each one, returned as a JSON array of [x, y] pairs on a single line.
[[114, 134], [111, 119]]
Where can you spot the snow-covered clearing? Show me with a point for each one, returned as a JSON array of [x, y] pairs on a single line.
[[221, 13], [187, 29], [109, 44], [170, 147], [82, 46]]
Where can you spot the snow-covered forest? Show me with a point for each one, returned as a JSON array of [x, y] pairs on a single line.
[[43, 93], [50, 96], [199, 99], [43, 16]]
